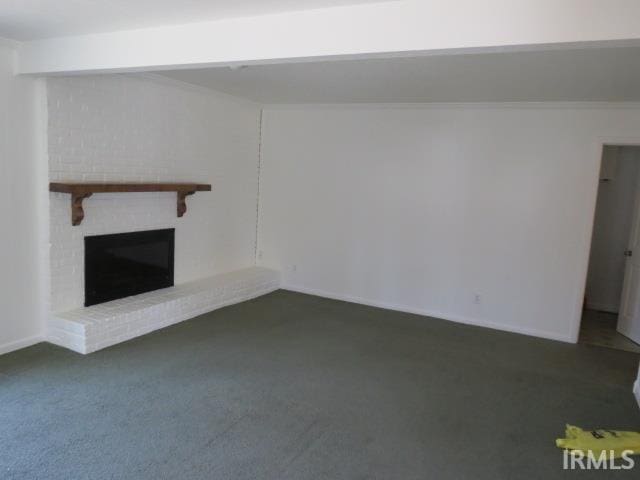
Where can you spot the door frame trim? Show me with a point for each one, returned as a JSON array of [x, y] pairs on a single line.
[[583, 267]]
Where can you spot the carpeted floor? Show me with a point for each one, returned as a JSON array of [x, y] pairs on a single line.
[[290, 386]]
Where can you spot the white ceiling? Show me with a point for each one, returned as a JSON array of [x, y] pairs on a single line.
[[37, 19], [594, 74]]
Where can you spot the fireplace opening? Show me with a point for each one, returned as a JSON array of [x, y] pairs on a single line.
[[125, 264]]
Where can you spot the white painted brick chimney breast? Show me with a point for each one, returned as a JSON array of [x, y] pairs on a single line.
[[127, 128]]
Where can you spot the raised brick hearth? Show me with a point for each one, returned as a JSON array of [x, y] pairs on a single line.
[[86, 330]]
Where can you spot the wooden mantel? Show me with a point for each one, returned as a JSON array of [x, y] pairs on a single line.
[[80, 191]]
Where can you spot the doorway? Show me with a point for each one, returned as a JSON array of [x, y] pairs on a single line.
[[611, 314]]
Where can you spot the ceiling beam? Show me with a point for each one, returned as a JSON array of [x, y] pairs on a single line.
[[361, 31]]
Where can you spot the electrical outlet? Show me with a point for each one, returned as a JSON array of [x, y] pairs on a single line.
[[477, 299], [294, 268], [259, 254]]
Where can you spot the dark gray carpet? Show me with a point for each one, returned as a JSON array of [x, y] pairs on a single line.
[[290, 386]]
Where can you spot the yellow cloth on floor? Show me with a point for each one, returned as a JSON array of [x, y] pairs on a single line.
[[599, 440]]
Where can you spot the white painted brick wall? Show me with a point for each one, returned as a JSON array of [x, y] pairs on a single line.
[[124, 128]]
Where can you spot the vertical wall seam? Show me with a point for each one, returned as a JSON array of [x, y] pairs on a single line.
[[43, 203], [259, 167]]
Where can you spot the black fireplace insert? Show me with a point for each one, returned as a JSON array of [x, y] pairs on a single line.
[[125, 264]]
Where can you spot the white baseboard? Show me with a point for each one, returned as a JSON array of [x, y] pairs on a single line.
[[602, 307], [22, 343], [636, 390], [428, 313]]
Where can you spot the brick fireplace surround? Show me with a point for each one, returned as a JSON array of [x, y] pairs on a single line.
[[121, 128]]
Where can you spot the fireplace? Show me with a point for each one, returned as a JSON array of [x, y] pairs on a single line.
[[125, 264]]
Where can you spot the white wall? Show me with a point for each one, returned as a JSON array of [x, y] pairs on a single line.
[[123, 128], [636, 388], [611, 230], [423, 208], [22, 169]]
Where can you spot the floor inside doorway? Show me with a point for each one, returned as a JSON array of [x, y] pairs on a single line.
[[599, 328]]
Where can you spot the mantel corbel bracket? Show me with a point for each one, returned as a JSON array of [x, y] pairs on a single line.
[[182, 204], [77, 212]]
